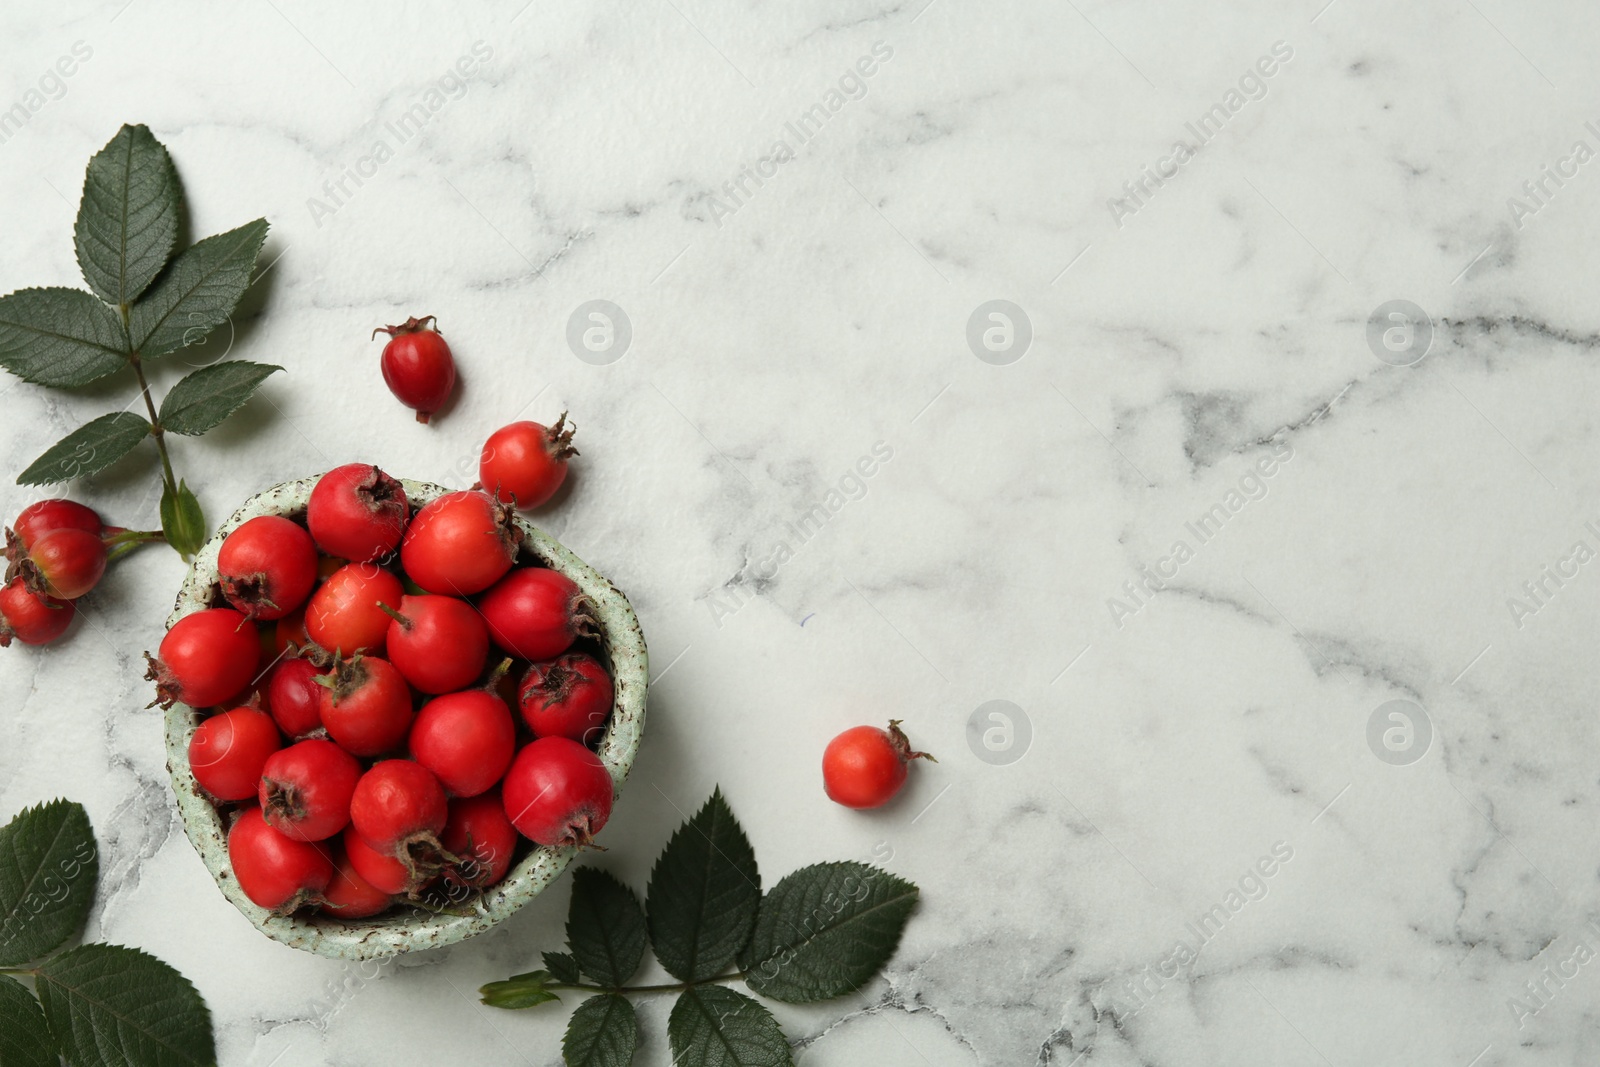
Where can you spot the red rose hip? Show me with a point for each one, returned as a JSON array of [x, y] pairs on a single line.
[[557, 793], [481, 838], [357, 512], [205, 658], [346, 614], [864, 767], [350, 896], [569, 696], [460, 543], [525, 463], [45, 516], [305, 789], [400, 810], [31, 618], [536, 613], [64, 564], [274, 871], [228, 751], [295, 698], [267, 567], [417, 366], [466, 739], [365, 705], [439, 643]]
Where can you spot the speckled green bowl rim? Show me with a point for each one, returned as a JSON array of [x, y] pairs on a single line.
[[407, 930]]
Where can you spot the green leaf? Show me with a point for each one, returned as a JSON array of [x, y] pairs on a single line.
[[92, 447], [48, 868], [601, 1033], [182, 520], [115, 1005], [519, 991], [198, 292], [605, 927], [563, 967], [206, 397], [25, 1041], [712, 1026], [60, 337], [128, 218], [825, 931], [704, 891]]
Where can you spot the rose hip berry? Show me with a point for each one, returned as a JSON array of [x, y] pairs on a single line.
[[31, 618], [274, 871], [481, 838], [566, 697], [295, 698], [365, 705], [46, 516], [350, 896], [267, 567], [346, 614], [536, 613], [439, 643], [557, 793], [418, 366], [357, 512], [466, 739], [864, 767], [205, 658], [525, 463], [461, 543], [305, 789], [227, 752], [64, 564], [385, 873], [400, 810]]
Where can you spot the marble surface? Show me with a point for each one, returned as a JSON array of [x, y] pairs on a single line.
[[1204, 834]]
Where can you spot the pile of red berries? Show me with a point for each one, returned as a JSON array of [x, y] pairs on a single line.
[[56, 552], [377, 759]]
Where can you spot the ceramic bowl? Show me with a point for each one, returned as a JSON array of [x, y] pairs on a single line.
[[406, 929]]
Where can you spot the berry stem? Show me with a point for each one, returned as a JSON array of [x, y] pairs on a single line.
[[128, 540]]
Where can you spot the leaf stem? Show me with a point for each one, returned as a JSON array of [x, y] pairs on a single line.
[[21, 971], [668, 987], [155, 424]]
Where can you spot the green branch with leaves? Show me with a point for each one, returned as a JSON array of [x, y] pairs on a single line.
[[93, 1004], [821, 932], [144, 303]]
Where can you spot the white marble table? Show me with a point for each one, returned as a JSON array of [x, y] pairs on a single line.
[[800, 283]]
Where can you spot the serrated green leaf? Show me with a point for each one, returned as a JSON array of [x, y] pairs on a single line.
[[519, 991], [182, 520], [563, 967], [60, 337], [110, 1004], [48, 867], [703, 895], [206, 397], [25, 1041], [603, 1032], [825, 931], [712, 1026], [605, 927], [92, 447], [128, 218], [197, 292]]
